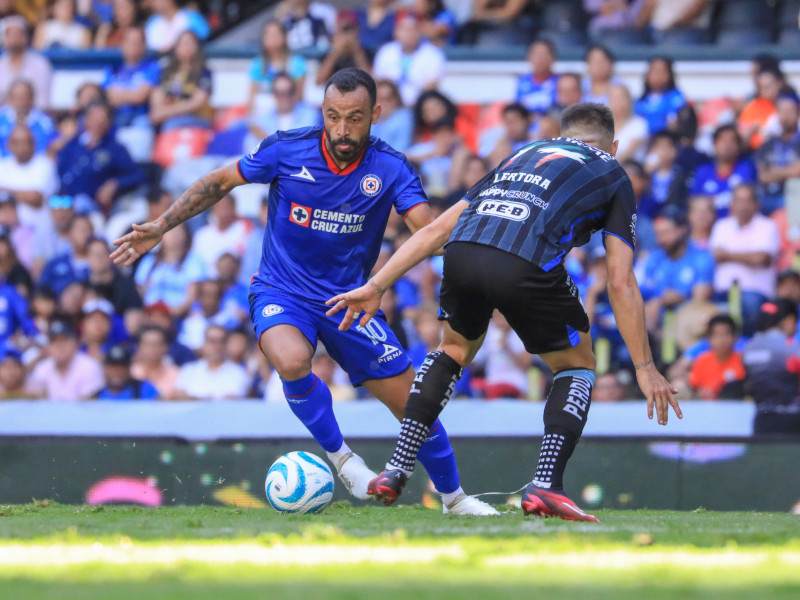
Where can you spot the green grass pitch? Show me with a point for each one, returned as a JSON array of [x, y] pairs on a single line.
[[51, 551]]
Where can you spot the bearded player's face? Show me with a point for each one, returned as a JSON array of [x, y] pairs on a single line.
[[348, 119]]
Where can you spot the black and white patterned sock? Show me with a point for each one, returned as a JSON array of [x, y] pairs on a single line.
[[430, 393], [552, 460], [412, 436]]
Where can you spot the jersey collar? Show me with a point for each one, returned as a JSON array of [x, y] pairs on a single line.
[[332, 164]]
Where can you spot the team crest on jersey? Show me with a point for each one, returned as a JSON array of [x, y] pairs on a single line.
[[371, 185], [271, 310], [299, 214]]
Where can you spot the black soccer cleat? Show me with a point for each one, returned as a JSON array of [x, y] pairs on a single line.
[[542, 502], [388, 486]]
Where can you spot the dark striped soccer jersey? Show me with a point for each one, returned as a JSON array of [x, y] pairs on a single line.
[[548, 198]]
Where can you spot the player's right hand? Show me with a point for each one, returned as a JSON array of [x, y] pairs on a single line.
[[132, 245], [659, 393], [366, 300]]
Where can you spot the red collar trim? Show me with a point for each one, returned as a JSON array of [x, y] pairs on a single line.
[[332, 164]]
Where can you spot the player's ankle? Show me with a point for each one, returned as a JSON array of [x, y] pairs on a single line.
[[390, 467]]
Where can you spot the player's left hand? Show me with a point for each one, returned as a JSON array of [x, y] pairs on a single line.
[[659, 392], [366, 300]]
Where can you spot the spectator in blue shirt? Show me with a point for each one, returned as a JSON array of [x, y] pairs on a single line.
[[234, 293], [275, 57], [21, 110], [14, 314], [667, 179], [437, 23], [395, 126], [304, 30], [120, 385], [375, 25], [128, 86], [779, 157], [70, 265], [661, 100], [289, 112], [537, 89], [677, 272], [95, 166], [729, 169]]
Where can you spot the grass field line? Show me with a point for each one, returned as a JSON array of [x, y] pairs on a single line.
[[635, 559], [16, 555], [321, 554]]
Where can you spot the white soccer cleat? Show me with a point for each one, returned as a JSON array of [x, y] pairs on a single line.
[[355, 475], [469, 505]]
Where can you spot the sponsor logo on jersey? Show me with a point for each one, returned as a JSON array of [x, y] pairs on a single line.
[[633, 229], [389, 353], [516, 211], [542, 182], [515, 195], [304, 174], [329, 221], [299, 214], [255, 150], [271, 309], [559, 152], [370, 185]]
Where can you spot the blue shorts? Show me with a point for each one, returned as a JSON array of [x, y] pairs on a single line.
[[370, 352]]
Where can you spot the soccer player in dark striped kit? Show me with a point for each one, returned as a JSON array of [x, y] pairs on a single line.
[[505, 243]]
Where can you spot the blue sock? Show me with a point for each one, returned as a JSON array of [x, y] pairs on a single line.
[[311, 402], [438, 458]]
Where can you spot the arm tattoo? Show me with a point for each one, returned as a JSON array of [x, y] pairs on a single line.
[[203, 193]]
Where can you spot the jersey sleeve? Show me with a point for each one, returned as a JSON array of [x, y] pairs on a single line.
[[261, 165], [409, 192], [621, 219]]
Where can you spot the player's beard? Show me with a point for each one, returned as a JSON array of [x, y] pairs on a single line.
[[347, 156]]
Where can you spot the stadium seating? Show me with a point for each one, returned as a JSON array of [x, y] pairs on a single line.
[[743, 37]]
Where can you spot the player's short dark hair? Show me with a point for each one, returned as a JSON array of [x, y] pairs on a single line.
[[519, 108], [723, 319], [349, 80], [591, 118]]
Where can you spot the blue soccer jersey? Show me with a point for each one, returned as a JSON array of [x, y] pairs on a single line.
[[325, 225]]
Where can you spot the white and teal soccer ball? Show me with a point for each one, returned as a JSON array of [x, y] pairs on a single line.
[[299, 482]]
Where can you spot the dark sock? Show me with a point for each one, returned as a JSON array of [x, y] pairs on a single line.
[[430, 393], [564, 419]]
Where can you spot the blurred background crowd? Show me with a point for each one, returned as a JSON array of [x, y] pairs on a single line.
[[718, 233]]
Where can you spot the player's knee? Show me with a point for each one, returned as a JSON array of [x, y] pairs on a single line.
[[291, 367]]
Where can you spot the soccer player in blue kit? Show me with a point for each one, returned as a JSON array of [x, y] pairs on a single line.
[[331, 190]]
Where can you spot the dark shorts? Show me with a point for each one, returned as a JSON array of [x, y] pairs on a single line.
[[543, 308]]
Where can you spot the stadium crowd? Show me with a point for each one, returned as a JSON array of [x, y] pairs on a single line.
[[715, 239]]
